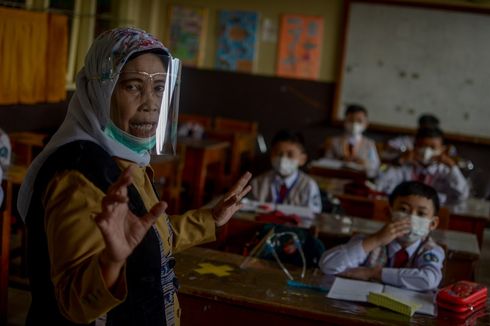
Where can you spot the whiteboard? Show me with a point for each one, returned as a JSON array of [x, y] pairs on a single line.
[[402, 61]]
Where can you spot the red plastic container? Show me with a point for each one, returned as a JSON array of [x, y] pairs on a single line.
[[462, 297]]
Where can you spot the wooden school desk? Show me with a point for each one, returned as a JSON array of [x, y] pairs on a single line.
[[242, 147], [200, 154], [471, 215], [25, 145], [14, 176], [341, 172], [259, 295], [462, 251]]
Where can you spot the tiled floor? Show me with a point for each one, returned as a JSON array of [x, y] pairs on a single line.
[[19, 300]]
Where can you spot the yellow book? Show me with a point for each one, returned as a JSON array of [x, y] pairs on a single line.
[[387, 301]]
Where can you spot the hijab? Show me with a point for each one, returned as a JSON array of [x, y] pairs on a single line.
[[89, 108]]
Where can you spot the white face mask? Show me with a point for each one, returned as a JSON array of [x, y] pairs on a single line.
[[285, 166], [355, 128], [426, 154], [420, 226]]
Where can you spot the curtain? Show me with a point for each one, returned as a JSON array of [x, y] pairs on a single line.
[[32, 57]]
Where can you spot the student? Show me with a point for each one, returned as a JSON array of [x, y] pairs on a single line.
[[353, 146], [5, 152], [100, 245], [405, 143], [402, 253], [428, 163], [285, 184]]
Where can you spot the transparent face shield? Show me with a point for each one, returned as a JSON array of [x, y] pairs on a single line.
[[144, 104]]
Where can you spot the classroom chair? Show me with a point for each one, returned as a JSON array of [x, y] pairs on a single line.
[[242, 137], [234, 125], [168, 178], [204, 121], [26, 145]]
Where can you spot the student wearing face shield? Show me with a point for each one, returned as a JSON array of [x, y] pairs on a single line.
[[353, 146], [100, 246], [428, 163], [285, 183], [402, 253]]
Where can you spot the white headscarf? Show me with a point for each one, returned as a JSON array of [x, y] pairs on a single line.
[[89, 108]]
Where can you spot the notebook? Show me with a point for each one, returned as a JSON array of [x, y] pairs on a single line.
[[355, 290]]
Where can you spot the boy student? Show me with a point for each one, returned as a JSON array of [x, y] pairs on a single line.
[[402, 253], [352, 146], [405, 143], [285, 183], [428, 163]]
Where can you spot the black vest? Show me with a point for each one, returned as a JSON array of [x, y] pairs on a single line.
[[144, 304]]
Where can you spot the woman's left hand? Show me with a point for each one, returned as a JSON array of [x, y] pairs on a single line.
[[231, 201]]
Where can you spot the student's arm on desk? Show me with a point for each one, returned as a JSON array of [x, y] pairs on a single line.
[[343, 257], [346, 259], [314, 199], [425, 275], [373, 161], [457, 187], [389, 179]]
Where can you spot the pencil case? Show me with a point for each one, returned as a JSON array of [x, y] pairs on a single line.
[[462, 297]]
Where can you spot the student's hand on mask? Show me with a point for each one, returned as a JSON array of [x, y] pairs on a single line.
[[388, 233], [363, 273], [407, 157], [231, 201], [445, 159]]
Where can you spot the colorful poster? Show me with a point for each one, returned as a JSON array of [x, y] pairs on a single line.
[[300, 43], [237, 40], [186, 33]]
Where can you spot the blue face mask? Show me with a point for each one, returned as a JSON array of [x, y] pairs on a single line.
[[136, 144]]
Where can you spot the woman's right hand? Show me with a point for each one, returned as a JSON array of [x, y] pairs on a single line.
[[121, 229]]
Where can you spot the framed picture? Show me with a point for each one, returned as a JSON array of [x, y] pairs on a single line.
[[300, 44], [186, 33], [237, 40]]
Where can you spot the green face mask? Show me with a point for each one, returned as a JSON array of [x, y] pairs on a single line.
[[136, 144]]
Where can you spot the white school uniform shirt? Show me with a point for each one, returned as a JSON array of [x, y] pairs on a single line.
[[364, 148], [449, 182], [5, 153], [302, 189], [424, 274]]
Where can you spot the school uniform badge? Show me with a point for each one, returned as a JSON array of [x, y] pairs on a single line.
[[430, 257]]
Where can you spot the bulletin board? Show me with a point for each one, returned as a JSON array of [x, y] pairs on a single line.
[[401, 60], [186, 33], [300, 45], [237, 40]]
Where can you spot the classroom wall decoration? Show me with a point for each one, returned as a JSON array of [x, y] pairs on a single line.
[[402, 60], [237, 40], [187, 32], [300, 43]]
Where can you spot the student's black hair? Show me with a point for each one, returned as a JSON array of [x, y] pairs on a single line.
[[429, 133], [428, 121], [416, 188], [354, 108], [285, 135]]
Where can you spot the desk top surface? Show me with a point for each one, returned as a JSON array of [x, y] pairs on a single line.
[[263, 286], [471, 207], [345, 226]]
